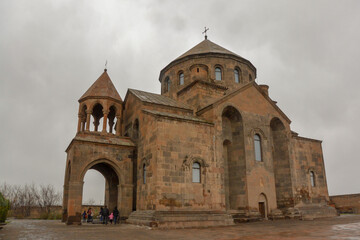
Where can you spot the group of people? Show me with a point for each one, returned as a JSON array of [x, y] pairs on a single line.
[[87, 216], [105, 215]]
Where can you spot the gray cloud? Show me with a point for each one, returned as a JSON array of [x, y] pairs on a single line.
[[52, 51]]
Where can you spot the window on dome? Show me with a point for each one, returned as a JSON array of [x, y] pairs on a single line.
[[167, 85], [218, 73]]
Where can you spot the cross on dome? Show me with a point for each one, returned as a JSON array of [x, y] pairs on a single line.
[[204, 32]]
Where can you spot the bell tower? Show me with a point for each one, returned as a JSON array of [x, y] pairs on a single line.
[[101, 103], [99, 145]]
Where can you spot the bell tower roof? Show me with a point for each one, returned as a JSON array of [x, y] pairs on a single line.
[[102, 88]]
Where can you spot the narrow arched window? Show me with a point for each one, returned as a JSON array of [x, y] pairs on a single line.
[[257, 146], [236, 75], [144, 173], [218, 73], [250, 78], [196, 173], [167, 85], [312, 178], [181, 79]]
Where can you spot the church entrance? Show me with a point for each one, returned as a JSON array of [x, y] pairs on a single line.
[[111, 184], [94, 188], [117, 191], [262, 209], [110, 196], [263, 206]]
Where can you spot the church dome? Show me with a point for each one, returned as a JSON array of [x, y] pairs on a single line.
[[206, 62], [206, 47]]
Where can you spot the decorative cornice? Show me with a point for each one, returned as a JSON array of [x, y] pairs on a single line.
[[189, 160]]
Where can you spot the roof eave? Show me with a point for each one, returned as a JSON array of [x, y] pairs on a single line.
[[100, 97]]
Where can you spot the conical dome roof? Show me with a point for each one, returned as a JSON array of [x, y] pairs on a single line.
[[206, 46], [102, 88], [204, 49]]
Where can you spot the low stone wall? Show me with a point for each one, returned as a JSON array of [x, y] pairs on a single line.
[[36, 213], [348, 203], [55, 212]]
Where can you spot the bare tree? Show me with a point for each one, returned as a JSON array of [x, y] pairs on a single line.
[[91, 201], [23, 198], [48, 197]]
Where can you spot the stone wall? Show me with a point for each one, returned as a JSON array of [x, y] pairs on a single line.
[[179, 144], [307, 156], [348, 203]]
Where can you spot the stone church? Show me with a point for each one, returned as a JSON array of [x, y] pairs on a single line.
[[212, 149]]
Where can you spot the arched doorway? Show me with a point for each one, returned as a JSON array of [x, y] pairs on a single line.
[[263, 206], [94, 188], [234, 159], [111, 183]]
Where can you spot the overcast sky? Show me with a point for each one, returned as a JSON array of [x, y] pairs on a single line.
[[52, 51]]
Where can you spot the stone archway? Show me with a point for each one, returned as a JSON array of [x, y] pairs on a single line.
[[234, 159], [281, 161], [111, 183], [116, 169]]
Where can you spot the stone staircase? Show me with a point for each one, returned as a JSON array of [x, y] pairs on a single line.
[[311, 211], [241, 216], [180, 219]]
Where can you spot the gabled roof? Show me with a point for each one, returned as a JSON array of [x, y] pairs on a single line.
[[234, 92], [207, 46], [102, 87], [158, 99]]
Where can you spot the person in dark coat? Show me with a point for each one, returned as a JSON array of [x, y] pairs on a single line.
[[89, 215], [101, 215], [106, 214], [116, 215]]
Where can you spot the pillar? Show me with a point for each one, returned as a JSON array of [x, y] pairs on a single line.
[[79, 123], [111, 124], [125, 195], [118, 126], [83, 123], [113, 196], [88, 114], [65, 203], [74, 205], [105, 120], [96, 123]]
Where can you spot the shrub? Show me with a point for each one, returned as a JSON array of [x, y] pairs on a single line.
[[4, 207]]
